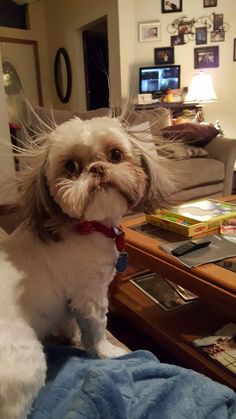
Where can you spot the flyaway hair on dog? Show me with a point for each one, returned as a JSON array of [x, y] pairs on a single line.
[[42, 213]]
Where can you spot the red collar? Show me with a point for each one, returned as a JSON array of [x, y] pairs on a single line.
[[87, 227]]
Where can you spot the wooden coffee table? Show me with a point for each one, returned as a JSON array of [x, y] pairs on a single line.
[[174, 330]]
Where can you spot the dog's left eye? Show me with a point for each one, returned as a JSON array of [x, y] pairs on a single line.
[[116, 156], [72, 167]]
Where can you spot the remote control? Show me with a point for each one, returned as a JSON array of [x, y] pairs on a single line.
[[189, 247]]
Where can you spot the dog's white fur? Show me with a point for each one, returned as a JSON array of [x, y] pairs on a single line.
[[49, 273]]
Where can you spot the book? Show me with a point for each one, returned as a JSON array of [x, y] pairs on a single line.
[[165, 293], [227, 264], [219, 248], [193, 218], [220, 346]]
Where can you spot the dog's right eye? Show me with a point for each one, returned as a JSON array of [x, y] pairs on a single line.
[[72, 168]]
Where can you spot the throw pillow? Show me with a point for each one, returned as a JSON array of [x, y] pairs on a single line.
[[191, 133], [178, 151], [174, 150]]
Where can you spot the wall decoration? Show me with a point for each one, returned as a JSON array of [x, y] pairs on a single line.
[[63, 75], [20, 78], [192, 29], [217, 36], [177, 40], [235, 49], [209, 3], [171, 6], [218, 22], [164, 55], [201, 35], [149, 31], [206, 57]]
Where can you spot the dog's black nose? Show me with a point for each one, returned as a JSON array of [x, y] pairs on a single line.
[[97, 168]]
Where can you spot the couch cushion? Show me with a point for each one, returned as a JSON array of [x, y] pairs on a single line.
[[198, 172], [93, 114], [191, 133], [210, 191], [50, 116]]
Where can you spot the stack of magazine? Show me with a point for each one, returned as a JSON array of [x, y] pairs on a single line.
[[165, 293], [220, 347]]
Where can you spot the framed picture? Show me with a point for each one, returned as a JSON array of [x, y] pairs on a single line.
[[201, 35], [217, 36], [218, 22], [171, 6], [206, 57], [21, 79], [164, 55], [209, 3], [235, 49], [185, 27], [177, 40], [149, 31]]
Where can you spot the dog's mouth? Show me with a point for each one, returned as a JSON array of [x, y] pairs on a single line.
[[101, 185], [105, 202]]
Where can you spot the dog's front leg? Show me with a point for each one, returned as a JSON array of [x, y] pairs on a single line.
[[93, 336]]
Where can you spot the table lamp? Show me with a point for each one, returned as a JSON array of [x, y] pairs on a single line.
[[201, 90]]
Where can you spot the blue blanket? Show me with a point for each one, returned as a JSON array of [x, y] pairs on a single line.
[[135, 386]]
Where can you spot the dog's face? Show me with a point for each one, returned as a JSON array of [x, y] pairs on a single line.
[[93, 170]]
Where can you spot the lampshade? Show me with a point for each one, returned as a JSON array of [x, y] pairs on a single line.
[[201, 89]]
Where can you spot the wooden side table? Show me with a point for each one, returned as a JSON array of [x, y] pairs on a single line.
[[176, 108], [175, 330]]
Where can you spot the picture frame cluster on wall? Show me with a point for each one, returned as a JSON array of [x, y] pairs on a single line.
[[183, 30]]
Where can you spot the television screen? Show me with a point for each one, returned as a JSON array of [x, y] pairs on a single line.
[[159, 79]]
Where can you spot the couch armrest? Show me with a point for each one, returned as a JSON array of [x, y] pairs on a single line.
[[224, 150]]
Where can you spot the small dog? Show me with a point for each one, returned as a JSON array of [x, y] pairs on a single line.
[[77, 181]]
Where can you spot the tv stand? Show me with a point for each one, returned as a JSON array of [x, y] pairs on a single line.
[[176, 108]]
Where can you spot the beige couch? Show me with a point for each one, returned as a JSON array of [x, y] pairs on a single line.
[[211, 175]]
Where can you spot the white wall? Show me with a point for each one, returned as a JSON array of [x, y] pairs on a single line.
[[224, 77], [127, 37], [65, 22]]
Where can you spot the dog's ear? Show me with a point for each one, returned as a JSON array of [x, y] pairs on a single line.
[[160, 186], [40, 212]]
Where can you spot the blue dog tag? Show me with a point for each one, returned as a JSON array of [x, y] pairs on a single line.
[[122, 262]]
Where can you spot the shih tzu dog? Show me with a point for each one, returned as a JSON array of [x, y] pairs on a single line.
[[77, 181]]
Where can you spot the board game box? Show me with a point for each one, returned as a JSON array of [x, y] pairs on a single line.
[[195, 217]]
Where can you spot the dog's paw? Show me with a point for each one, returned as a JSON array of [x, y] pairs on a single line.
[[106, 350]]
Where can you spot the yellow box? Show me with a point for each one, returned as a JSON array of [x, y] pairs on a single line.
[[193, 218]]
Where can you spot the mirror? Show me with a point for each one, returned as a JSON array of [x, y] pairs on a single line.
[[62, 75]]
